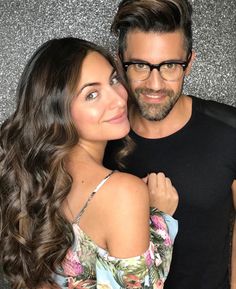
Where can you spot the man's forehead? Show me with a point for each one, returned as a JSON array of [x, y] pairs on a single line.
[[152, 44]]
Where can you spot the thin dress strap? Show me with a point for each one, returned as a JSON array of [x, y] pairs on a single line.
[[91, 196]]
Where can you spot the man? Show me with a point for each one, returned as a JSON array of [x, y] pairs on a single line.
[[193, 141]]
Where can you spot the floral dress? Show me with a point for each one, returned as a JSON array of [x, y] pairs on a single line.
[[86, 265]]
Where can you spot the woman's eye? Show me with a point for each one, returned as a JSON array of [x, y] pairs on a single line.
[[115, 79], [92, 95]]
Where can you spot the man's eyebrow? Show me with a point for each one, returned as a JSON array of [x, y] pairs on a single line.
[[144, 61], [136, 60]]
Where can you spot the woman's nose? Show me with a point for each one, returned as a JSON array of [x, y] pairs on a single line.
[[118, 97]]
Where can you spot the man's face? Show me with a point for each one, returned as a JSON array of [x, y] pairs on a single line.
[[155, 97]]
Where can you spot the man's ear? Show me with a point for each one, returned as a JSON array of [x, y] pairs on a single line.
[[188, 69]]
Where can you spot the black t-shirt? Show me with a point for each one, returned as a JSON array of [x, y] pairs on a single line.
[[200, 159]]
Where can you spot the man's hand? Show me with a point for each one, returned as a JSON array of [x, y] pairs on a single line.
[[163, 195]]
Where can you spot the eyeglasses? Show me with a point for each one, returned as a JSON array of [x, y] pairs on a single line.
[[169, 70]]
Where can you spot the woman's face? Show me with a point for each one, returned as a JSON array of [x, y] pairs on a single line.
[[99, 110]]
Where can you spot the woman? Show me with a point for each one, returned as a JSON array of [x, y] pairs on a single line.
[[66, 220]]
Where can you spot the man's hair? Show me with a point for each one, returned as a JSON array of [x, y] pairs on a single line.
[[153, 16]]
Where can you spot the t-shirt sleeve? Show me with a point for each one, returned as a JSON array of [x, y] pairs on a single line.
[[148, 270]]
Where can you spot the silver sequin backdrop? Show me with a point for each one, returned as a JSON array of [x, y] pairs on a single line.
[[26, 24]]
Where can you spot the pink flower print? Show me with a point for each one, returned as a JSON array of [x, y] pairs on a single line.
[[71, 264], [149, 255], [159, 222], [148, 259], [132, 282], [168, 241], [159, 284]]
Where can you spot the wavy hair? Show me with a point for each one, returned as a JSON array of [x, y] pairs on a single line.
[[155, 16], [34, 143]]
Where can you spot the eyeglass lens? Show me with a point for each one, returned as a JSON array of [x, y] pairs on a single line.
[[168, 71]]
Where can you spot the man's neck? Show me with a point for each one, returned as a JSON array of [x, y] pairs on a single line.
[[174, 121]]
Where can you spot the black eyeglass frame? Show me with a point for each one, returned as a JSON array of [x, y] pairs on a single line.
[[184, 64]]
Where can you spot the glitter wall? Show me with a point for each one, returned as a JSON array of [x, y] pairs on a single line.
[[24, 25]]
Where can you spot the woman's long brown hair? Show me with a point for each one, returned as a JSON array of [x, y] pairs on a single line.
[[34, 143]]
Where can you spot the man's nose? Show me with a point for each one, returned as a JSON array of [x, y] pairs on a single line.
[[155, 81]]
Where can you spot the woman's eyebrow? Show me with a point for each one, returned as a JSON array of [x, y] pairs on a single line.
[[95, 83], [87, 85]]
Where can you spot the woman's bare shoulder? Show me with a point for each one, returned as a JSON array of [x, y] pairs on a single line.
[[126, 189], [126, 181], [127, 212]]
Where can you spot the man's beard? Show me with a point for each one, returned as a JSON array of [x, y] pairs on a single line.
[[155, 111]]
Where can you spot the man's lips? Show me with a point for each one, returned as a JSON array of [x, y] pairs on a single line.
[[153, 97]]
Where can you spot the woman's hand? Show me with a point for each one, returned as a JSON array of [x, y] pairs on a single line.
[[162, 193]]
